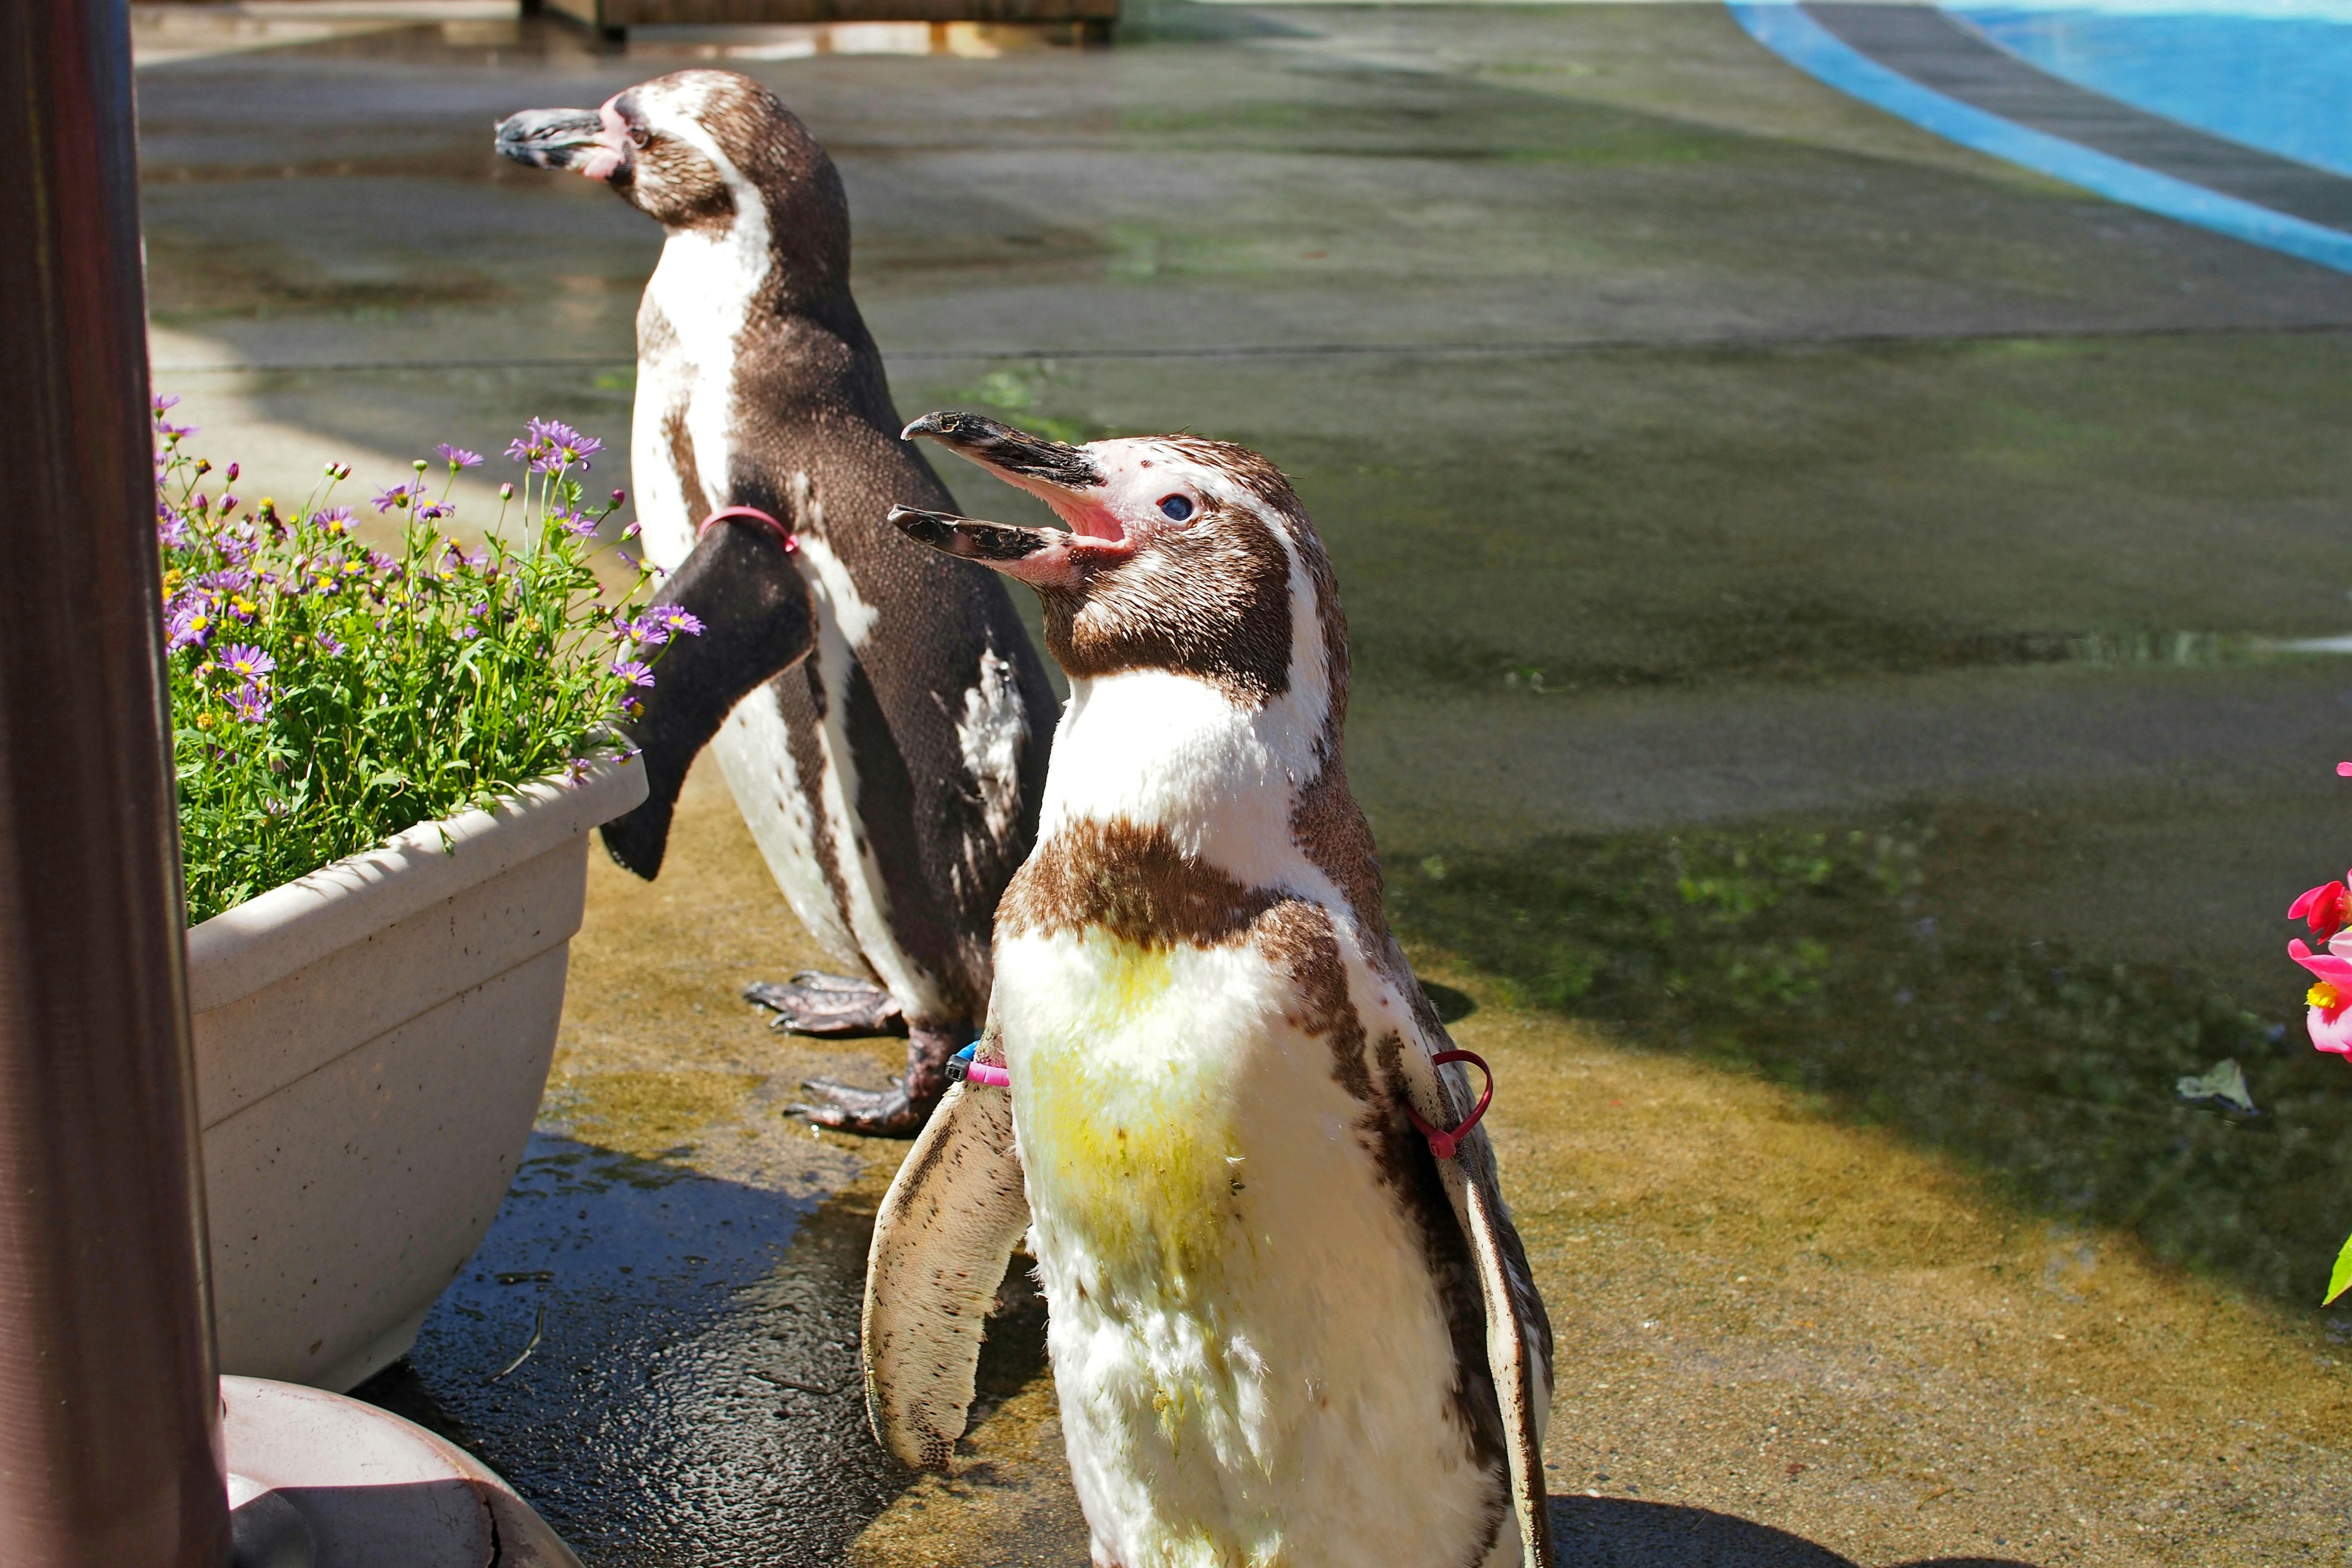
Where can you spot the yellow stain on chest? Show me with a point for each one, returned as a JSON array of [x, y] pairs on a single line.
[[1125, 1111]]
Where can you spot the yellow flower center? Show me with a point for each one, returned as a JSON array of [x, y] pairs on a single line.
[[2324, 996]]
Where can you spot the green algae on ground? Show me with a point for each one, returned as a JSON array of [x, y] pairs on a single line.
[[1832, 962], [647, 1115]]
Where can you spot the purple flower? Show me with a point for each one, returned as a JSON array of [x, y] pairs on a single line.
[[173, 531], [244, 659], [332, 520], [550, 447], [632, 672], [166, 401], [189, 626], [578, 524], [379, 562], [662, 622], [229, 582], [249, 702], [633, 530], [457, 456], [394, 496], [576, 770], [328, 644]]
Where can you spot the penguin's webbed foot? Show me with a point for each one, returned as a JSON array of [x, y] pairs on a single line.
[[872, 1112], [901, 1109], [812, 1002]]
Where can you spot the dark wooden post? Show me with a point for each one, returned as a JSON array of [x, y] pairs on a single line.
[[110, 1423]]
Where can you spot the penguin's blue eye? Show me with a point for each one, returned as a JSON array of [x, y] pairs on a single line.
[[1176, 509]]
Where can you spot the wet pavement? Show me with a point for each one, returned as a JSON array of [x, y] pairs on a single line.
[[1821, 603]]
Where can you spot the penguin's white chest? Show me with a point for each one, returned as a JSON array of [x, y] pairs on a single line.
[[1252, 1362]]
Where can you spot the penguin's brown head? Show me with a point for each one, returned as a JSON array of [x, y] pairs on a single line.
[[696, 150], [1181, 553]]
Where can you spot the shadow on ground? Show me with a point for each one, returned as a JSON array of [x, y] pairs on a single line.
[[663, 1363], [1624, 1532]]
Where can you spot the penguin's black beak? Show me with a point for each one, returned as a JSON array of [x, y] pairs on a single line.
[[554, 138], [969, 539], [1030, 461]]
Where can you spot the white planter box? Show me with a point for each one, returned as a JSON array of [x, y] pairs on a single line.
[[372, 1042]]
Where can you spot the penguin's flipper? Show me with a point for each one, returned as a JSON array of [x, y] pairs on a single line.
[[757, 619], [1519, 1330], [946, 1232], [1518, 1336]]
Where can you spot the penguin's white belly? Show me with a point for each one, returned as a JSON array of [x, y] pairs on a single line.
[[755, 750], [1253, 1360]]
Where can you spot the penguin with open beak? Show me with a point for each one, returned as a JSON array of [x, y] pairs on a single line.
[[1290, 1319], [891, 776]]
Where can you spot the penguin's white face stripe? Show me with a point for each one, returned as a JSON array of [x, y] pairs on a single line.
[[1183, 555]]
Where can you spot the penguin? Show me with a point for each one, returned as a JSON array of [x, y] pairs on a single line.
[[1289, 1317], [891, 777]]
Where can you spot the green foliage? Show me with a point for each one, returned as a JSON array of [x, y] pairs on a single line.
[[2340, 1279], [1013, 395], [1818, 959], [325, 696]]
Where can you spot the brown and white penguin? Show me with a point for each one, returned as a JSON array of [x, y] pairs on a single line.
[[892, 779], [1290, 1320]]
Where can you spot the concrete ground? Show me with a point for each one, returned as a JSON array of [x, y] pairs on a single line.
[[1819, 599]]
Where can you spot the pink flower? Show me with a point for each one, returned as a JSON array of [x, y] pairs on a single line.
[[2329, 1019], [2327, 908]]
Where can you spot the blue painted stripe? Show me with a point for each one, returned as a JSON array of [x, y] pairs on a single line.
[[1783, 27]]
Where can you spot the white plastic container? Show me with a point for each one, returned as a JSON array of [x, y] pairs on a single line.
[[372, 1042]]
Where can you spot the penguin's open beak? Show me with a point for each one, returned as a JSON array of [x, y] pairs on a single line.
[[587, 139], [1061, 476]]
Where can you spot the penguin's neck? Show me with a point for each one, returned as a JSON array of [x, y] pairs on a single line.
[[720, 316], [708, 281], [1178, 755]]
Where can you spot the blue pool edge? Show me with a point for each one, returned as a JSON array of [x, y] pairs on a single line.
[[1783, 27]]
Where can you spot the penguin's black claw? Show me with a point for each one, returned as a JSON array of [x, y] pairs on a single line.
[[812, 1002], [872, 1112]]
